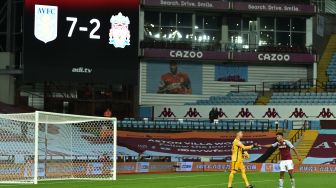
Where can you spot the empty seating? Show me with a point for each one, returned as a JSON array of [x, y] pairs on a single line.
[[203, 125], [296, 98], [233, 98]]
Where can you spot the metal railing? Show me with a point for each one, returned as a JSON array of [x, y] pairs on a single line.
[[246, 87], [224, 47], [301, 86]]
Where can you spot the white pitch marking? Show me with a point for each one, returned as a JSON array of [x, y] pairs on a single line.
[[209, 185], [134, 179], [154, 178], [83, 29], [170, 177]]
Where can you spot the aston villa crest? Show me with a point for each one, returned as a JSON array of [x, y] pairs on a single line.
[[119, 32], [45, 27]]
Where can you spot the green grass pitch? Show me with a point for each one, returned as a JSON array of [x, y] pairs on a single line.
[[191, 180]]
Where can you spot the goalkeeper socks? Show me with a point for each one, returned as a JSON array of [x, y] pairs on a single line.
[[245, 179], [292, 182], [281, 182], [230, 179]]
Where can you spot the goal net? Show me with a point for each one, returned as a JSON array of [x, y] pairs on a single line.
[[51, 146]]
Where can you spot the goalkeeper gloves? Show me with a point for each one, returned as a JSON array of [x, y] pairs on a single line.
[[255, 145], [246, 155]]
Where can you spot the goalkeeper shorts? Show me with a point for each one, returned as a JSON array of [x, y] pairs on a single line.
[[237, 166]]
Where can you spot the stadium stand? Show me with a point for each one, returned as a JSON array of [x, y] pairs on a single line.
[[305, 144], [287, 98], [331, 71], [321, 150], [232, 98], [326, 59], [291, 85], [217, 47], [201, 125]]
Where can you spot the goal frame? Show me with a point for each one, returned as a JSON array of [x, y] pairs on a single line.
[[37, 123]]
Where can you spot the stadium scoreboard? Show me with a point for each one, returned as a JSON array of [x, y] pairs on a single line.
[[81, 40]]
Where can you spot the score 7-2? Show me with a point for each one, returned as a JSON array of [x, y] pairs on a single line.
[[93, 21]]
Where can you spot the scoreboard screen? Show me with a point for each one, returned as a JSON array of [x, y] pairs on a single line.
[[81, 40]]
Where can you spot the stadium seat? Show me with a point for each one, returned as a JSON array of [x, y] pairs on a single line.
[[232, 98], [296, 98]]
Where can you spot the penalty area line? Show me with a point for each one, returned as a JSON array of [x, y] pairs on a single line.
[[219, 184]]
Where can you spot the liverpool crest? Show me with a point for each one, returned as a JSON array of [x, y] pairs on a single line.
[[119, 32]]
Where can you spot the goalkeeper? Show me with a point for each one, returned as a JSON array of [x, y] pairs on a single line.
[[238, 155]]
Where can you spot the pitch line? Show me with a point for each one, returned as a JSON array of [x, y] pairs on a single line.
[[169, 177], [136, 179], [133, 179], [219, 184], [176, 177]]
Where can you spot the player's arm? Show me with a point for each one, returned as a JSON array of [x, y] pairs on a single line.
[[294, 149], [239, 144], [297, 154], [268, 145]]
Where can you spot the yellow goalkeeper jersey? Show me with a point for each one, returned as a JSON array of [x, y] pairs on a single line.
[[237, 150]]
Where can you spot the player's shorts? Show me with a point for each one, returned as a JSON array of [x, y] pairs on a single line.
[[286, 165], [237, 166]]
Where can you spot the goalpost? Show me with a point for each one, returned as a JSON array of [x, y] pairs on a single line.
[[52, 146]]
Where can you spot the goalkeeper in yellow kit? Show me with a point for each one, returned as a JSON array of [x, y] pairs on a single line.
[[238, 156]]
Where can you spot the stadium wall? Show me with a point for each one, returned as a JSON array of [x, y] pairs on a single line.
[[324, 26], [100, 168], [281, 112], [7, 91], [276, 73], [323, 150], [168, 167], [256, 74]]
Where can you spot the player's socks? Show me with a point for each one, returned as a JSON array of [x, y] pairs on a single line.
[[245, 179], [230, 180], [292, 182], [281, 182]]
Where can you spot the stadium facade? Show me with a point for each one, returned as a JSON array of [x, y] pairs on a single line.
[[224, 46]]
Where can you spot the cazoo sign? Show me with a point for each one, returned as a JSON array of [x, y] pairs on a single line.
[[186, 54], [274, 57]]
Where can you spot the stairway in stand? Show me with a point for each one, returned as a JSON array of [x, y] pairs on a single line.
[[304, 145], [326, 59]]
